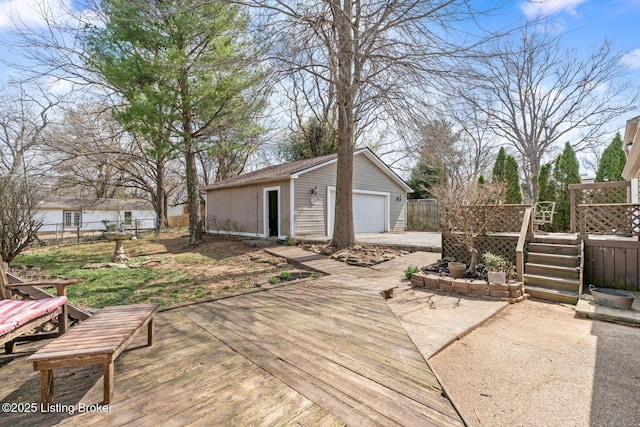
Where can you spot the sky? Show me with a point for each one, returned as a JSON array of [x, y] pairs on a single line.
[[582, 23]]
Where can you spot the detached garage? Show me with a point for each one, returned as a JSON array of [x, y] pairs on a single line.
[[298, 199]]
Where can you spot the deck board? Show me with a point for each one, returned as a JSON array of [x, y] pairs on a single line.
[[322, 352]]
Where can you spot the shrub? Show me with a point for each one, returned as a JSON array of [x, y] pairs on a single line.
[[285, 275], [410, 271], [274, 280]]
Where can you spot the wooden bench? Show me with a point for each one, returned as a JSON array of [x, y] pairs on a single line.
[[96, 341]]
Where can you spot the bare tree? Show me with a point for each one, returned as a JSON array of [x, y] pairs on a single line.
[[85, 151], [18, 223], [535, 93], [23, 120], [373, 60]]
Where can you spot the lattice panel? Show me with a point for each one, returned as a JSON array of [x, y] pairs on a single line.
[[505, 246], [602, 195], [498, 219], [618, 219]]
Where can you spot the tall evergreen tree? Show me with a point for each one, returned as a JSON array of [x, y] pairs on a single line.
[[313, 140], [566, 171], [546, 185], [425, 175], [612, 162], [185, 71], [512, 180], [498, 167], [506, 170]]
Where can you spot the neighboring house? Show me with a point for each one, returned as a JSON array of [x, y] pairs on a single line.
[[298, 199], [631, 146], [93, 214]]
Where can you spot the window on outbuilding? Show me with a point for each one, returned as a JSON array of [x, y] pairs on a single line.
[[72, 218], [128, 218]]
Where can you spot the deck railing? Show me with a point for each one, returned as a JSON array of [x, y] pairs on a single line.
[[619, 219], [504, 219], [600, 193]]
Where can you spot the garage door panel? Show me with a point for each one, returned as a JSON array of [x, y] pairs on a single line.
[[369, 212]]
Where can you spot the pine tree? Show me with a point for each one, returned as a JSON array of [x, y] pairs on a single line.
[[612, 162], [512, 180], [481, 180], [498, 167], [566, 171], [546, 187], [426, 174]]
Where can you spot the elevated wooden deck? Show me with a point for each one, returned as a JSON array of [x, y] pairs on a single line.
[[319, 352]]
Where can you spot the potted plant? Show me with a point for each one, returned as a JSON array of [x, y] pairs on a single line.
[[456, 269], [499, 270]]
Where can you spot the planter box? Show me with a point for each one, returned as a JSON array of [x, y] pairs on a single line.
[[497, 277]]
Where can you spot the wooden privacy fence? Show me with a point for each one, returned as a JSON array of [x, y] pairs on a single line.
[[423, 215], [612, 264]]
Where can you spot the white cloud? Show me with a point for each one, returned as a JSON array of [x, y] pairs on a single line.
[[538, 8], [30, 13], [632, 59]]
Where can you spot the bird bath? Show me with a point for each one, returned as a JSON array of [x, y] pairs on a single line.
[[119, 254]]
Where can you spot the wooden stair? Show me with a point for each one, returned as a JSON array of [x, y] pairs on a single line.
[[552, 270]]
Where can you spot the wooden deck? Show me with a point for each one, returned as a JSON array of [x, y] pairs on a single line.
[[320, 352]]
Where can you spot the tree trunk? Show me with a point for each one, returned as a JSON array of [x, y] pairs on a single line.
[[193, 196], [343, 231], [160, 195]]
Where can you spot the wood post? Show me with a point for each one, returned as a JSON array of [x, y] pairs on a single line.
[[46, 386], [150, 333], [107, 393]]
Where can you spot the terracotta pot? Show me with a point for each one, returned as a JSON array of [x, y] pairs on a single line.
[[456, 269]]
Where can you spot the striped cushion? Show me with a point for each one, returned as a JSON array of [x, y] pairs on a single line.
[[47, 305], [20, 312], [6, 328]]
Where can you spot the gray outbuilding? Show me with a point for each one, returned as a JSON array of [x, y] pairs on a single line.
[[297, 199]]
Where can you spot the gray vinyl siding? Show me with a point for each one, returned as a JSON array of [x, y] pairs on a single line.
[[368, 176], [241, 209], [311, 219]]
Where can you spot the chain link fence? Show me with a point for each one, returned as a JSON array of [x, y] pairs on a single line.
[[87, 231]]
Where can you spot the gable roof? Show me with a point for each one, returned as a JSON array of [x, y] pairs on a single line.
[[299, 167], [95, 204]]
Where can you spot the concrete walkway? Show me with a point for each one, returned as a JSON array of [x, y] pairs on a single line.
[[409, 240]]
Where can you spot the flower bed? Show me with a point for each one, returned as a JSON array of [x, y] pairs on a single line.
[[512, 292]]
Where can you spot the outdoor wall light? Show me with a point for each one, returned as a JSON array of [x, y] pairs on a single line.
[[314, 190], [399, 198]]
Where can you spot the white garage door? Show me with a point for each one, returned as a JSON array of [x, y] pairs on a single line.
[[369, 212]]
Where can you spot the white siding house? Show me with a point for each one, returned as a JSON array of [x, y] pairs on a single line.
[[94, 214], [298, 199], [631, 146]]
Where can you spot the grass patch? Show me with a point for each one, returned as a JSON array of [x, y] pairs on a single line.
[[179, 272]]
